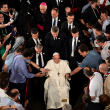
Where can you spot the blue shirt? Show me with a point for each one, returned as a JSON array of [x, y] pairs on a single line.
[[93, 59], [9, 60], [19, 71]]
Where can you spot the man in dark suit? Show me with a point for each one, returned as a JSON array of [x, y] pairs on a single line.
[[54, 20], [34, 40], [76, 82], [39, 18], [56, 41], [60, 4], [37, 84], [69, 24]]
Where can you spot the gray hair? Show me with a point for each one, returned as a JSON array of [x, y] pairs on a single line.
[[67, 107], [54, 29], [39, 46]]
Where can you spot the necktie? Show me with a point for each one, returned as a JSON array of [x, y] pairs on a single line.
[[58, 2], [74, 45], [70, 28], [54, 22], [37, 42], [40, 61]]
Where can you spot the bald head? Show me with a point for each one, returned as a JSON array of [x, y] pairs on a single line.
[[13, 93], [103, 66]]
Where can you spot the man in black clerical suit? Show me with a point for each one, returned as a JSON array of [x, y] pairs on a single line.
[[69, 24], [39, 18], [54, 20], [34, 40], [56, 41], [76, 82], [60, 4], [36, 90]]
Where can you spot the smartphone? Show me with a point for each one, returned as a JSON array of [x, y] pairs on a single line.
[[19, 96], [10, 42], [77, 62]]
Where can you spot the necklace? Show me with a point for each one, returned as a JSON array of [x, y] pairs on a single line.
[[105, 76], [57, 68]]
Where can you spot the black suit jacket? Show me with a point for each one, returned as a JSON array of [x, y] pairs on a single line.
[[60, 46], [30, 43], [48, 23], [63, 4], [80, 41], [64, 28], [38, 19], [93, 106], [34, 70]]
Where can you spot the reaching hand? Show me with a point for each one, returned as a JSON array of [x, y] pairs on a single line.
[[13, 106], [67, 75], [44, 70], [8, 47], [39, 74]]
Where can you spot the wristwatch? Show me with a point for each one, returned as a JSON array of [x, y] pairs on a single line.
[[69, 74], [10, 106]]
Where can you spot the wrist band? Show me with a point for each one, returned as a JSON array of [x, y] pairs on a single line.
[[10, 106], [25, 105], [5, 25], [7, 50]]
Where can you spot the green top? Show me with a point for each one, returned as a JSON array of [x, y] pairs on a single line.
[[2, 50]]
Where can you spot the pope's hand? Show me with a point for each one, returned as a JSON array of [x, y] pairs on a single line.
[[67, 75]]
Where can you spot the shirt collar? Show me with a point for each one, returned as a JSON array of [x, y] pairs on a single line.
[[104, 44]]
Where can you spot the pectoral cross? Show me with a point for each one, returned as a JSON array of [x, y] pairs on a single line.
[[58, 74]]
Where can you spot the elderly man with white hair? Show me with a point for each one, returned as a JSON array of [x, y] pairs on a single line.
[[39, 17], [56, 85]]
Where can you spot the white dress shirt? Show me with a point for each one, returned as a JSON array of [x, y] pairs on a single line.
[[72, 53], [56, 21], [105, 23], [57, 1], [36, 41], [2, 93], [71, 25], [37, 59], [106, 4]]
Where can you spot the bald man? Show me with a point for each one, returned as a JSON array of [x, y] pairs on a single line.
[[104, 69], [56, 85], [10, 100]]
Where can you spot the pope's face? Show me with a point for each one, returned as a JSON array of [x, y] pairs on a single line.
[[56, 58]]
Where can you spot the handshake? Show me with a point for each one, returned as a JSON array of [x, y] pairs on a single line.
[[68, 75], [42, 73]]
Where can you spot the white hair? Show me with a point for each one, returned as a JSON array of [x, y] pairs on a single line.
[[43, 5], [55, 54], [67, 107]]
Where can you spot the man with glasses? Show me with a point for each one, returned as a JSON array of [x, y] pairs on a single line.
[[100, 40]]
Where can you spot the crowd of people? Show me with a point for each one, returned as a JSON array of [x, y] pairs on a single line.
[[51, 51]]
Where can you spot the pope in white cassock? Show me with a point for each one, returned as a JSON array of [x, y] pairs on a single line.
[[56, 85]]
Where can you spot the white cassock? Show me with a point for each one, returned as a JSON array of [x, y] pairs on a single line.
[[56, 86]]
